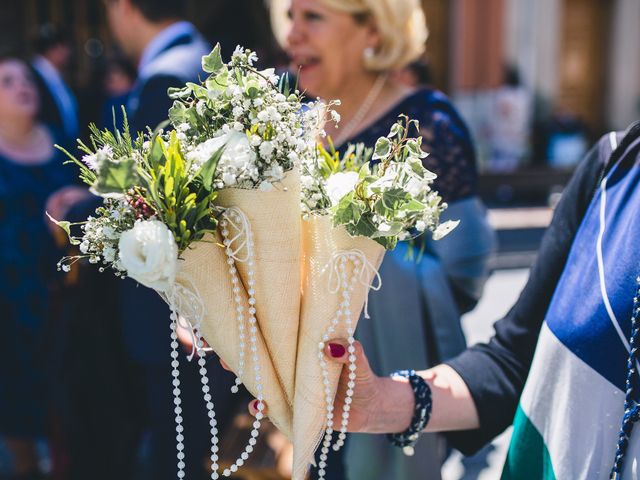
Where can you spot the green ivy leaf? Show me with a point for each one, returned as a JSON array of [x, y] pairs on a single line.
[[348, 211], [115, 176], [382, 148], [212, 63], [198, 91], [178, 113], [179, 92], [396, 130]]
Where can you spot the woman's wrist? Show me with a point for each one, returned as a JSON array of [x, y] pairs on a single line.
[[393, 408]]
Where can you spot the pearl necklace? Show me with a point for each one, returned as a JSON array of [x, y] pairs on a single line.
[[234, 218], [345, 133], [346, 287], [175, 372]]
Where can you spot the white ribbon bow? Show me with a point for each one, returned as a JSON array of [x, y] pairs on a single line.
[[363, 270]]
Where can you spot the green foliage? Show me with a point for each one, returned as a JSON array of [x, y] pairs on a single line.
[[392, 199], [154, 169], [181, 200]]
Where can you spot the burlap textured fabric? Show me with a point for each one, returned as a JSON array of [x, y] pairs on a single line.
[[319, 243], [275, 222], [205, 266]]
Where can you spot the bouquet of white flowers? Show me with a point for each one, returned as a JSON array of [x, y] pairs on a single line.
[[209, 216], [266, 132], [355, 206], [262, 242]]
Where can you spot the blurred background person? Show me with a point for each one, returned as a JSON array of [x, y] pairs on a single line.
[[119, 77], [567, 139], [416, 74], [59, 106], [508, 124], [31, 169], [348, 50]]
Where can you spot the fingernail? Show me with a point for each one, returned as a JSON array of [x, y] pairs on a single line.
[[336, 350], [255, 404]]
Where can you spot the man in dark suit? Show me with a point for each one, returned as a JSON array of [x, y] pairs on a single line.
[[58, 104]]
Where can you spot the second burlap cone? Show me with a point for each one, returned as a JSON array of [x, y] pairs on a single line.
[[204, 266], [320, 244]]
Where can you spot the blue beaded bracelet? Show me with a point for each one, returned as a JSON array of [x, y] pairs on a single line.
[[422, 412]]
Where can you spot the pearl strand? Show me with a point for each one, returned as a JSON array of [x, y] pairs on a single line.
[[213, 423], [346, 408], [345, 311], [175, 373], [239, 307], [253, 331]]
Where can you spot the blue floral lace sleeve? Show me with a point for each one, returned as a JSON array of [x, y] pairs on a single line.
[[445, 137]]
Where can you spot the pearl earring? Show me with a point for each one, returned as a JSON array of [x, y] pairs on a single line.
[[368, 54]]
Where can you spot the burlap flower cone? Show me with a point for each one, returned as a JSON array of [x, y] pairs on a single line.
[[322, 247], [205, 267], [274, 218]]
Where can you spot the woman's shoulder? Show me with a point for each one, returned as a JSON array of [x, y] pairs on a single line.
[[423, 102]]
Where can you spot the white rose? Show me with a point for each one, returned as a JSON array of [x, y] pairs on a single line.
[[149, 254], [339, 184], [238, 152]]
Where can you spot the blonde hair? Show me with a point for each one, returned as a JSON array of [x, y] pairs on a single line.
[[401, 24]]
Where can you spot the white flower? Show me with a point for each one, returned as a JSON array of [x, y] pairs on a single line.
[[237, 112], [266, 186], [94, 161], [238, 152], [228, 178], [255, 140], [339, 184], [266, 149], [275, 172], [149, 254], [444, 229], [109, 232], [263, 116], [417, 188], [109, 254], [421, 225]]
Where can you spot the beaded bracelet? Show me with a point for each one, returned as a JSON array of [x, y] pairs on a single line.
[[422, 412]]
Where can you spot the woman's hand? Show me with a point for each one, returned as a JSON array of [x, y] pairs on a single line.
[[378, 405], [386, 405], [367, 387]]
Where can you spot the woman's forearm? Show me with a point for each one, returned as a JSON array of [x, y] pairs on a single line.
[[453, 407]]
